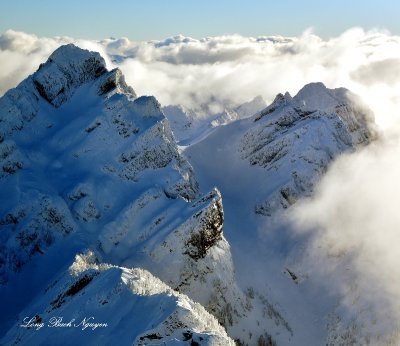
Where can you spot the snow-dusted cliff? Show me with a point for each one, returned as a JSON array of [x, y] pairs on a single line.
[[262, 166], [298, 137], [87, 164], [283, 150], [88, 167]]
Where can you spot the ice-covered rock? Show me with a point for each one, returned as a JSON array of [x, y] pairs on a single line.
[[95, 303], [184, 247], [298, 137], [109, 178], [263, 165]]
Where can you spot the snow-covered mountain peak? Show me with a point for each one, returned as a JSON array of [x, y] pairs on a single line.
[[111, 182], [100, 133], [316, 101], [315, 96], [294, 139], [110, 179], [65, 70], [71, 55]]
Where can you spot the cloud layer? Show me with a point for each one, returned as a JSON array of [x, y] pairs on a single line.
[[353, 219], [354, 224], [212, 73]]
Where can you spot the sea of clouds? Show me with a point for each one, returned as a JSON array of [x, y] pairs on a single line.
[[355, 212], [216, 72]]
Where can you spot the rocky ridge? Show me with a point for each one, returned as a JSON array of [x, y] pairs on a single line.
[[99, 290], [110, 178]]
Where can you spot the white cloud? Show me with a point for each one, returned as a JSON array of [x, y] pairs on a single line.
[[21, 54], [354, 211], [228, 70], [354, 224]]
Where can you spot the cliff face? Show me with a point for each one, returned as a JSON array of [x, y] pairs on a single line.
[[263, 165], [87, 164], [297, 138], [88, 167]]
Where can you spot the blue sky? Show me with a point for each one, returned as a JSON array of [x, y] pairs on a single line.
[[157, 19]]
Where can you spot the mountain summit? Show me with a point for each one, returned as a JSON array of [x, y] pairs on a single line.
[[88, 165], [101, 213]]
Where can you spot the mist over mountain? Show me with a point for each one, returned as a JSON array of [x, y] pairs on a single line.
[[210, 74], [232, 208]]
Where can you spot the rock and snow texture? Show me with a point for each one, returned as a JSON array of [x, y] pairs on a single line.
[[108, 304], [87, 128], [262, 166], [290, 144], [86, 147], [87, 164], [300, 136], [182, 246]]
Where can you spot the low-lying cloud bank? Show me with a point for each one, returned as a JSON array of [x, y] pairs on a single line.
[[353, 217], [354, 223], [212, 73]]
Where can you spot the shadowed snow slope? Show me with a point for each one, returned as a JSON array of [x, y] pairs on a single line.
[[262, 166], [87, 164], [107, 303]]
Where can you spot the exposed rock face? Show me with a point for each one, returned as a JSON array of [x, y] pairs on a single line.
[[66, 69], [300, 136], [182, 246], [209, 229], [262, 166], [100, 303], [109, 178], [109, 135]]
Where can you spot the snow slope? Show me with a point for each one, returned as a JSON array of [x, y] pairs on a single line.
[[87, 164], [106, 303], [262, 166]]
